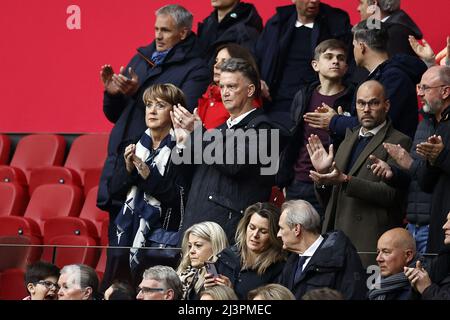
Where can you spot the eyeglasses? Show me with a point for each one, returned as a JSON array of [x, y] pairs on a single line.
[[48, 284], [372, 104], [146, 290], [425, 88], [158, 105]]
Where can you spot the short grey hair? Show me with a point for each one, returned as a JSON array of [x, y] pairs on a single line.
[[82, 276], [388, 6], [375, 38], [246, 68], [303, 213], [168, 278], [182, 17]]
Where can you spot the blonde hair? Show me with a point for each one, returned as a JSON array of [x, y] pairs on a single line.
[[209, 231], [274, 251], [166, 92], [272, 291], [220, 293]]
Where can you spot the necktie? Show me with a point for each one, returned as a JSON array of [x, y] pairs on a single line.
[[299, 270]]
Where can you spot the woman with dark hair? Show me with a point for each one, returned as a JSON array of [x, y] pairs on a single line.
[[257, 258], [210, 107]]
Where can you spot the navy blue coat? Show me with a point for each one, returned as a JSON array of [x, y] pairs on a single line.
[[242, 25], [399, 75], [181, 67], [335, 265], [273, 44]]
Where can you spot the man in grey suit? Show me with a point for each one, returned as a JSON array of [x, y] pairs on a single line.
[[358, 202]]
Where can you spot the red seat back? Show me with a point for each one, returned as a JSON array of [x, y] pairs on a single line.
[[13, 199], [87, 152], [38, 150], [5, 146], [79, 253], [53, 200], [14, 252], [53, 175], [92, 213], [12, 285]]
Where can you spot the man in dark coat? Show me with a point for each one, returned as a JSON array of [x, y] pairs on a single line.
[[235, 176], [171, 58], [358, 202], [399, 75], [231, 21], [435, 284], [286, 47], [434, 174], [398, 23], [396, 249], [317, 261]]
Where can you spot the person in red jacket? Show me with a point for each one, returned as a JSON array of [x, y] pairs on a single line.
[[210, 107]]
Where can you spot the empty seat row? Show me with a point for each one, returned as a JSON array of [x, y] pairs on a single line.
[[38, 160]]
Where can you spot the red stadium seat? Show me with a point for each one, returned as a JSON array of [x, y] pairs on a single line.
[[38, 150], [71, 249], [53, 175], [13, 199], [13, 175], [87, 152], [5, 146], [12, 285], [91, 179], [104, 241], [14, 252], [89, 223], [48, 201]]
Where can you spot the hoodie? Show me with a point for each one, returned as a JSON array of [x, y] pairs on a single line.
[[399, 75]]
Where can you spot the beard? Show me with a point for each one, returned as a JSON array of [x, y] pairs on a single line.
[[428, 109]]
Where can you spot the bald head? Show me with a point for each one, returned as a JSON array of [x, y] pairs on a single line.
[[371, 104], [396, 249]]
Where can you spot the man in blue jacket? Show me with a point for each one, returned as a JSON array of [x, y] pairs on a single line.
[[173, 57]]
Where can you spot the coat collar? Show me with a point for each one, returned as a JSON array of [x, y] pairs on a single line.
[[346, 147]]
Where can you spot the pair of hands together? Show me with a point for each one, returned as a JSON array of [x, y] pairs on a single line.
[[429, 150], [119, 83]]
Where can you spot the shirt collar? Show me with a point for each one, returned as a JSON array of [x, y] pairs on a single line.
[[232, 123], [384, 19], [312, 248], [298, 24], [372, 132]]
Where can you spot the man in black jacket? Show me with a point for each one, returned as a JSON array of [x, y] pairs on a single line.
[[238, 174], [286, 47], [231, 21], [317, 261], [173, 57]]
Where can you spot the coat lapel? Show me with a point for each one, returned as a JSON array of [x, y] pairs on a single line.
[[343, 155]]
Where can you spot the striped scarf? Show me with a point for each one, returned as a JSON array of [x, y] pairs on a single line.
[[141, 212]]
